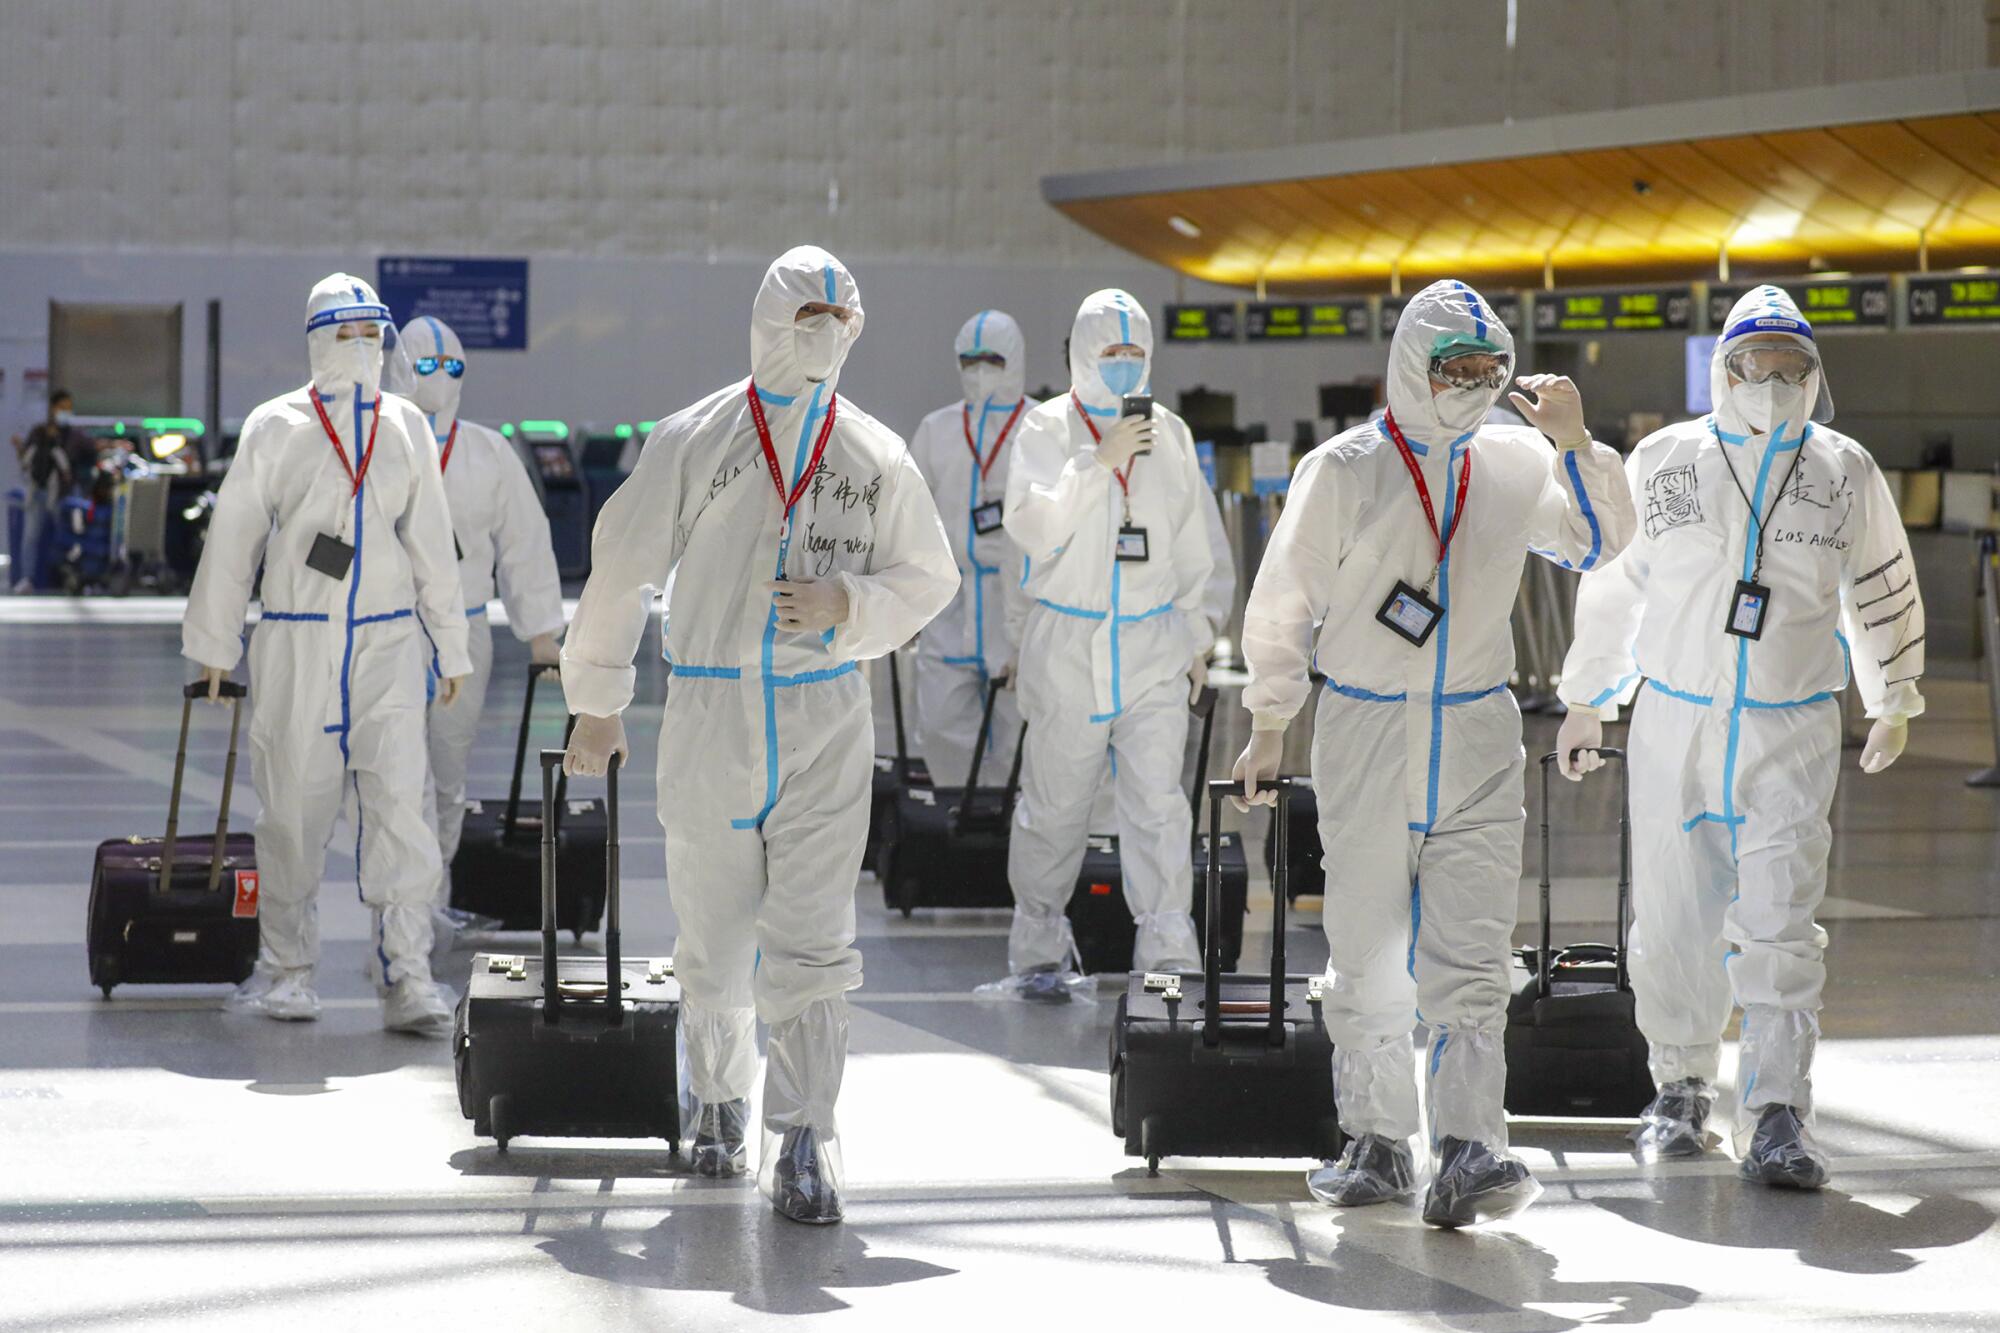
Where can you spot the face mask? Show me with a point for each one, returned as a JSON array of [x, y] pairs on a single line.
[[1121, 375], [1462, 409], [434, 393], [816, 342], [63, 415], [981, 382], [350, 361], [1763, 406]]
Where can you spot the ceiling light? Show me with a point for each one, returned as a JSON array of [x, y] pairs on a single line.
[[1183, 226]]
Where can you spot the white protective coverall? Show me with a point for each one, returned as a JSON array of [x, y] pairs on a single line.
[[967, 645], [767, 741], [503, 545], [1417, 759], [1735, 742], [337, 665], [1105, 650]]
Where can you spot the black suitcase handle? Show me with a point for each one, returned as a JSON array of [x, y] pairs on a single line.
[[198, 689], [536, 670], [993, 688], [896, 710], [1544, 960], [614, 978], [1211, 954], [1203, 707]]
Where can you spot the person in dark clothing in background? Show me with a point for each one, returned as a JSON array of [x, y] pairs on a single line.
[[48, 469]]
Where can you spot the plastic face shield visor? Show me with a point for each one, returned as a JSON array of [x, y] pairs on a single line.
[[1761, 363], [1472, 369], [431, 365]]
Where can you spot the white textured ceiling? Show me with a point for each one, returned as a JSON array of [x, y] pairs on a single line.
[[734, 128]]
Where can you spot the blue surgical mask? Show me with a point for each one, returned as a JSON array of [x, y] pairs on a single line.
[[1121, 375]]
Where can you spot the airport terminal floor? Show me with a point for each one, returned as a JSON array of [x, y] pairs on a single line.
[[196, 1168]]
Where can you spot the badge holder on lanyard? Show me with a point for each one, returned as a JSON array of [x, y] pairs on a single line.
[[1409, 611], [789, 501], [1751, 604], [331, 555], [986, 514], [1131, 538]]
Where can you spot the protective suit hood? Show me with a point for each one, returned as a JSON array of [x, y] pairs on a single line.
[[1447, 313], [1105, 319], [779, 347], [436, 393], [337, 367], [1764, 310], [996, 331]]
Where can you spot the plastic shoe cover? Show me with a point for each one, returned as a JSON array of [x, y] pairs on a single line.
[[1676, 1124], [1474, 1184], [1782, 1152], [1042, 985], [805, 1175], [419, 1006], [1374, 1169], [287, 996], [466, 923], [718, 1151]]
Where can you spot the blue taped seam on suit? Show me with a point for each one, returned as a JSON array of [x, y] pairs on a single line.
[[708, 672], [979, 331], [472, 611], [1365, 696], [353, 592], [1124, 325], [1443, 637], [979, 572], [1606, 696], [317, 617], [1117, 685], [1472, 308], [830, 298], [1589, 514], [814, 677], [1062, 610], [1416, 924]]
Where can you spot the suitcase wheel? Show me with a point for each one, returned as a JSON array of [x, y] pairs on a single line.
[[500, 1118], [576, 934], [106, 988], [105, 974], [1149, 1143], [907, 912]]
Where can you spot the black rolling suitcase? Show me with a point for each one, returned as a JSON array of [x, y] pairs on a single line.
[[1249, 1076], [1573, 1045], [177, 909], [893, 772], [497, 869], [1308, 876], [947, 846], [1099, 916], [549, 1046]]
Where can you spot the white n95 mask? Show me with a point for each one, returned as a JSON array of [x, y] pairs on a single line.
[[981, 382], [1764, 406], [1462, 409], [817, 342], [338, 363]]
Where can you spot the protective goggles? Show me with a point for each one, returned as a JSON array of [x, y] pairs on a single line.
[[1472, 370], [1765, 362], [970, 359], [430, 365]]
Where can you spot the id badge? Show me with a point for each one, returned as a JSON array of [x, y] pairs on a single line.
[[330, 556], [1410, 614], [986, 517], [1747, 610], [1131, 543]]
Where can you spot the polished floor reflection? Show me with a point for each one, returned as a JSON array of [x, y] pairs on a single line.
[[165, 1165]]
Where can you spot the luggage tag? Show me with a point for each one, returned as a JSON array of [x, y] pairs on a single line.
[[1410, 613], [1131, 544], [1747, 610], [986, 517], [330, 556]]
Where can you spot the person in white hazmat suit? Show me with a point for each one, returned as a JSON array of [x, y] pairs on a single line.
[[1106, 510], [335, 491], [1394, 569], [964, 452], [805, 542], [501, 535], [1772, 556]]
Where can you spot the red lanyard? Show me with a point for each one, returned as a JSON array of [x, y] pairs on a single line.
[[1123, 484], [987, 466], [367, 455], [1424, 492], [771, 455], [444, 460]]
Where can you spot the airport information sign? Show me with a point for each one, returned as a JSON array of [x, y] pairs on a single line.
[[1289, 321], [485, 301], [1201, 323], [1958, 299], [1853, 303], [1507, 305], [1616, 310]]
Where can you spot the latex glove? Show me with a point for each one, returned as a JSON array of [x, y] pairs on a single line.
[[448, 690], [1557, 411], [1130, 437], [544, 651], [1884, 747], [1257, 769], [809, 608], [214, 676], [593, 743], [1197, 678], [1582, 730]]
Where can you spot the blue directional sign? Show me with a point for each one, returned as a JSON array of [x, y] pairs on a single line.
[[484, 300]]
